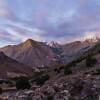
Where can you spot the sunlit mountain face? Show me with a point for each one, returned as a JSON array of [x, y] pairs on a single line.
[[46, 20]]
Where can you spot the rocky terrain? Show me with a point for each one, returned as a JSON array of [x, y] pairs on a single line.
[[81, 82]]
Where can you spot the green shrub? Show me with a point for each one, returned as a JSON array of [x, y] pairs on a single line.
[[90, 61], [23, 83], [67, 71], [41, 80], [97, 72], [11, 84], [49, 97], [1, 90]]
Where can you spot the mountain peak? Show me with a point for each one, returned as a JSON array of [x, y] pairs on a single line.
[[28, 42], [91, 41], [53, 44]]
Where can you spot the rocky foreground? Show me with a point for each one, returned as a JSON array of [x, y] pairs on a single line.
[[73, 87], [85, 87]]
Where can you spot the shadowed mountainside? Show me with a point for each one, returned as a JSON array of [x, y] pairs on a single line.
[[12, 68]]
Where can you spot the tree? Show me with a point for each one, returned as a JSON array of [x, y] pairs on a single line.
[[90, 61], [23, 83]]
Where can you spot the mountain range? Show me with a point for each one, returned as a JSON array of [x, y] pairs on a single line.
[[24, 57]]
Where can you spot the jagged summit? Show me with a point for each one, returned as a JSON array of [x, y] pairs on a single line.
[[53, 44], [29, 41], [91, 37]]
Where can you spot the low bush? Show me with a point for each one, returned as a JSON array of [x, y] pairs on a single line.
[[57, 70], [97, 72], [23, 83], [49, 97], [42, 79], [1, 90], [67, 71], [90, 61]]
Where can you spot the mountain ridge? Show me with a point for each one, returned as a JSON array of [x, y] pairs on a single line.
[[30, 52], [37, 54]]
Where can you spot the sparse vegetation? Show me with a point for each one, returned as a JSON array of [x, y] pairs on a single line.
[[23, 83], [57, 70], [49, 97], [90, 61], [97, 72], [42, 79], [67, 71]]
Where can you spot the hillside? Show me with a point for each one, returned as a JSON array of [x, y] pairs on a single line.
[[11, 68], [82, 84]]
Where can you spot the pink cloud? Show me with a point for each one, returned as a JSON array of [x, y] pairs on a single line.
[[5, 11]]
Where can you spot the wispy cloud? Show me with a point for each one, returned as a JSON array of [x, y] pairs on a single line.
[[45, 20]]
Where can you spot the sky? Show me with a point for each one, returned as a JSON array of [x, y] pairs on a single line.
[[46, 20]]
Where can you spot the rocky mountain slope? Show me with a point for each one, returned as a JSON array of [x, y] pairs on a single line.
[[31, 53], [39, 54], [74, 46], [82, 84], [67, 52], [12, 68]]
